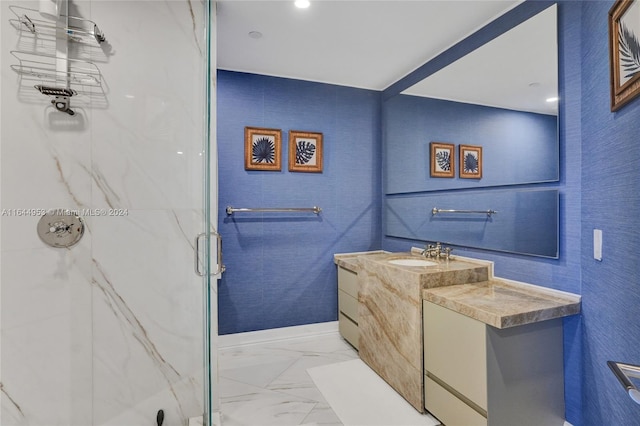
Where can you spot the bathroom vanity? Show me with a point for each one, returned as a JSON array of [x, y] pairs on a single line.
[[390, 314], [454, 340], [493, 353]]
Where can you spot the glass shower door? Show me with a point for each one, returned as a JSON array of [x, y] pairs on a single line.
[[114, 329]]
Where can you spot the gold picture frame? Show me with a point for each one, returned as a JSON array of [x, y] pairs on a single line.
[[470, 161], [305, 151], [443, 162], [262, 149], [624, 51]]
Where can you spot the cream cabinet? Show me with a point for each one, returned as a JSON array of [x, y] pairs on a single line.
[[476, 374], [348, 305]]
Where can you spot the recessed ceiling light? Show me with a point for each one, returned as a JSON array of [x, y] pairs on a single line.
[[302, 4], [553, 99], [255, 34]]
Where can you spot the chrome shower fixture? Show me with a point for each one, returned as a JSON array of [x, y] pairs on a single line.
[[60, 95]]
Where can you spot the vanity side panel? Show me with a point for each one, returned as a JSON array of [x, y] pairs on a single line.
[[349, 330], [390, 325], [348, 306], [525, 375], [348, 281]]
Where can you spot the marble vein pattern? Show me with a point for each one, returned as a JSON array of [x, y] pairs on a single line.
[[66, 183], [110, 196], [267, 383], [504, 304], [46, 336], [12, 407], [194, 26], [351, 261], [120, 308], [148, 318], [390, 315], [110, 330]]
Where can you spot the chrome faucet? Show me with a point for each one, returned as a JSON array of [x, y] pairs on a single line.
[[437, 251]]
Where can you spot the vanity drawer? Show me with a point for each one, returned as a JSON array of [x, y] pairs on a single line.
[[348, 305], [349, 330], [348, 282], [455, 351], [450, 410]]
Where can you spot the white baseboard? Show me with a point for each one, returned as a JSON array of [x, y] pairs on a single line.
[[277, 334]]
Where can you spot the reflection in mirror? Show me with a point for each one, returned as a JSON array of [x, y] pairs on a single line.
[[517, 70], [525, 222], [494, 97]]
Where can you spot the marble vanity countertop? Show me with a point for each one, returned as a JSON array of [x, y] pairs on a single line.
[[442, 272], [351, 261], [504, 303]]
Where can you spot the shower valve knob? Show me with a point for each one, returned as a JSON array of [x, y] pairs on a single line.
[[60, 230]]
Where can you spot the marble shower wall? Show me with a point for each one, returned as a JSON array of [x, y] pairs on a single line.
[[108, 331]]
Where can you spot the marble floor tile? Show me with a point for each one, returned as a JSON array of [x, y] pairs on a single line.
[[268, 383], [322, 415], [260, 375], [245, 405]]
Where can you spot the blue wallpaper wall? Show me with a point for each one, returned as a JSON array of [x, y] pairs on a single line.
[[610, 202], [280, 269], [565, 272]]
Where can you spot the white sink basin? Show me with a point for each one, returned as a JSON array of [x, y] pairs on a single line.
[[412, 262]]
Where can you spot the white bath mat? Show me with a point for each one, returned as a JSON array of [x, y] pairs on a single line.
[[360, 397]]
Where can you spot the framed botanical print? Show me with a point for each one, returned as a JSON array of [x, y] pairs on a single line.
[[470, 162], [624, 52], [262, 149], [305, 152], [442, 160]]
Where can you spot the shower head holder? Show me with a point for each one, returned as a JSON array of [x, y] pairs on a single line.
[[60, 96], [62, 104]]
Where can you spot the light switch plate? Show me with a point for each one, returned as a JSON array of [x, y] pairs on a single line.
[[597, 244]]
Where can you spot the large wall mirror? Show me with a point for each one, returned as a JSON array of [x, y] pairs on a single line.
[[494, 97], [499, 97]]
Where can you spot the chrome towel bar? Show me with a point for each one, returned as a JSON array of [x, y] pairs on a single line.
[[436, 210], [623, 372], [314, 209]]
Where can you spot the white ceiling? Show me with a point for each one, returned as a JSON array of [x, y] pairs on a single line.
[[359, 43]]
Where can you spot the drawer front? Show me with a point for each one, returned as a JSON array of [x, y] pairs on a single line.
[[455, 351], [447, 408], [348, 305], [348, 282], [348, 330]]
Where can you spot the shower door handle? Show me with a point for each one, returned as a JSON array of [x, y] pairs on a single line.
[[197, 267], [221, 267]]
